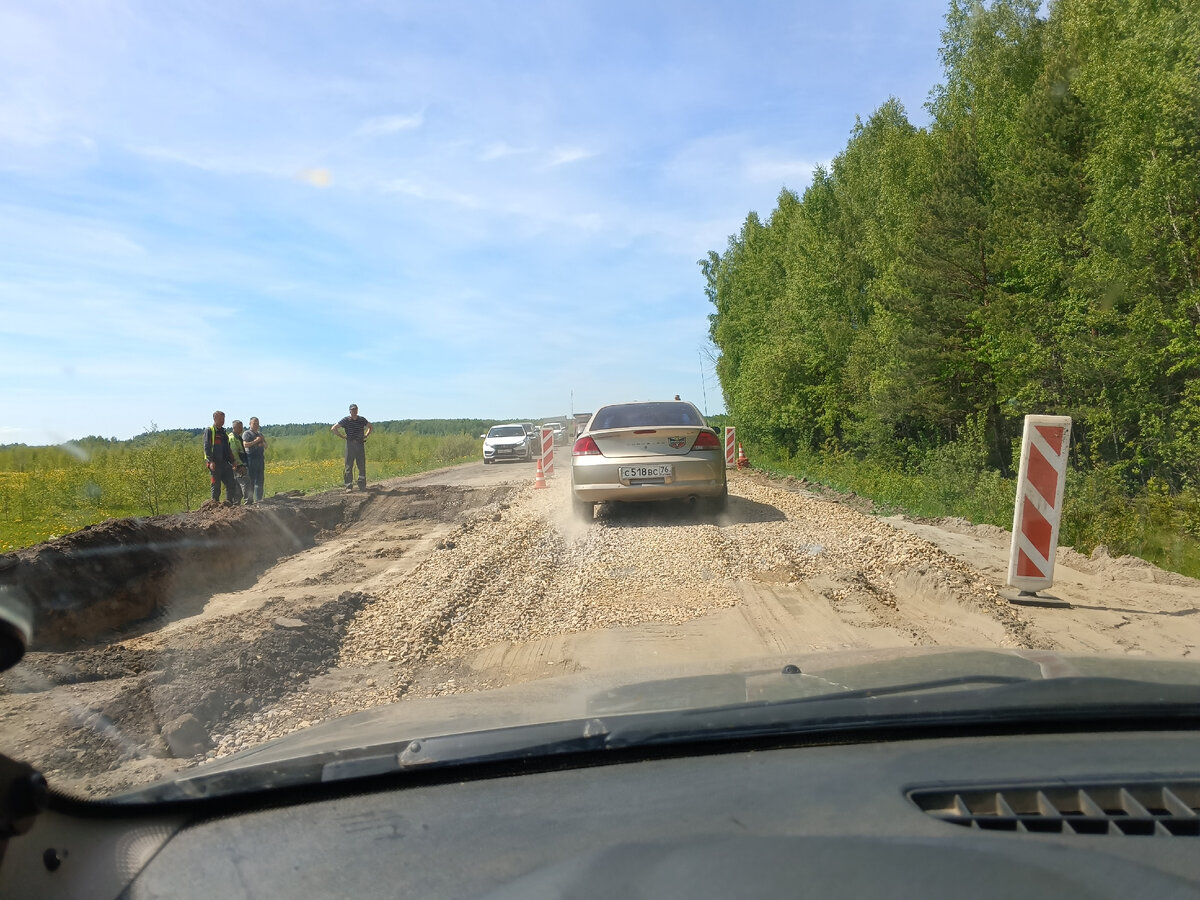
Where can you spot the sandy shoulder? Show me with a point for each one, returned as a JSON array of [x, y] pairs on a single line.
[[1116, 605]]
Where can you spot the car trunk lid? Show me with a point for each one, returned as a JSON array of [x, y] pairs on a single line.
[[666, 441]]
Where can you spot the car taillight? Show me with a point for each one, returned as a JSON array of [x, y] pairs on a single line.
[[706, 440], [585, 446]]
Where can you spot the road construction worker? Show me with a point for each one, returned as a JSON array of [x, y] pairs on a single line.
[[219, 456], [240, 468]]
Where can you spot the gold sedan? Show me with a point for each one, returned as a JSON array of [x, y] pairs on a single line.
[[645, 451]]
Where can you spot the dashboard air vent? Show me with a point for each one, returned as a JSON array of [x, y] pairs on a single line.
[[1152, 809]]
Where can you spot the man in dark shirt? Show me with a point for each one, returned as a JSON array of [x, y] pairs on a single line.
[[220, 459], [355, 430]]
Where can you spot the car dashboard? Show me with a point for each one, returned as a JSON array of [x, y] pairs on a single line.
[[1043, 815]]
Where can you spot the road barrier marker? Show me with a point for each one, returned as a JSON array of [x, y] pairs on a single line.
[[1037, 511], [539, 480], [731, 446], [547, 460]]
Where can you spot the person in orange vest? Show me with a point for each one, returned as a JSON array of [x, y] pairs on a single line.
[[240, 472], [221, 461]]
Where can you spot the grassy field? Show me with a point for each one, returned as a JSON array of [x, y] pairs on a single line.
[[47, 501]]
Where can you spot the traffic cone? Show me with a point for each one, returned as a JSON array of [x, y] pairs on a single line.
[[539, 480], [742, 461]]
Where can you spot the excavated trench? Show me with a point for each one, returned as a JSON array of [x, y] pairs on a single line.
[[87, 586]]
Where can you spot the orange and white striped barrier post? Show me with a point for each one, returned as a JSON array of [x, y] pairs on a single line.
[[731, 446], [539, 480], [1039, 502], [547, 458]]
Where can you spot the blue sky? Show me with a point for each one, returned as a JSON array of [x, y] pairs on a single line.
[[434, 209]]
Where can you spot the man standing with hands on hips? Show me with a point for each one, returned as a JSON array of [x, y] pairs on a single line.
[[354, 431]]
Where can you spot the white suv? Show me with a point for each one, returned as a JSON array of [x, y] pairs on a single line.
[[509, 441]]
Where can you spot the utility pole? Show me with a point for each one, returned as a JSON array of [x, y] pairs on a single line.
[[703, 386]]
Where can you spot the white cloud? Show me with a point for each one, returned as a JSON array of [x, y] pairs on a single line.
[[564, 155], [404, 186], [217, 164], [500, 150], [432, 192], [384, 125]]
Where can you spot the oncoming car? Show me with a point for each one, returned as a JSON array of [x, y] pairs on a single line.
[[644, 451], [506, 442]]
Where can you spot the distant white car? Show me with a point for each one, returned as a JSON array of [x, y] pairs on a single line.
[[511, 441], [560, 431]]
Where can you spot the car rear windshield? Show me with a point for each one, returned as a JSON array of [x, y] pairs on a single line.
[[630, 415], [507, 431]]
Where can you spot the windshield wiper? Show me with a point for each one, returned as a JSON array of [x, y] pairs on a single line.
[[1002, 702]]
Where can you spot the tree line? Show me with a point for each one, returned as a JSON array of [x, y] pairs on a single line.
[[1034, 249]]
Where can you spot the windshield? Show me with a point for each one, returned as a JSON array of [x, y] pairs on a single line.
[[268, 275]]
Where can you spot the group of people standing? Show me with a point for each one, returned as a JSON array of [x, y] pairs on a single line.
[[236, 459]]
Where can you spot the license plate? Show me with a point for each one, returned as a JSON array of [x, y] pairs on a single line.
[[629, 473]]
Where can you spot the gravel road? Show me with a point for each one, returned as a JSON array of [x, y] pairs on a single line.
[[469, 578], [522, 573]]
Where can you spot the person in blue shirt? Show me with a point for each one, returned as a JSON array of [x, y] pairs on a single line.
[[256, 446]]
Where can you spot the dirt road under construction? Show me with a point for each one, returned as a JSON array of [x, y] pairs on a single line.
[[171, 641]]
